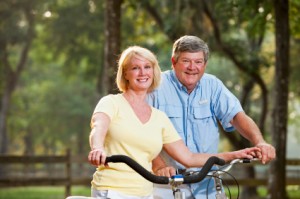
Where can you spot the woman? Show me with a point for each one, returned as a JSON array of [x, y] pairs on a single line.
[[125, 124]]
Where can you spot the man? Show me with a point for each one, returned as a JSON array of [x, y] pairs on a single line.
[[195, 102]]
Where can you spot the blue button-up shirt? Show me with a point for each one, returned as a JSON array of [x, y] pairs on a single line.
[[196, 115]]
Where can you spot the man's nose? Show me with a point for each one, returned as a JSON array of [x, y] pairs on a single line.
[[191, 64]]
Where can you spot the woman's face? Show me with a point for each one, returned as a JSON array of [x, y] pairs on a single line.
[[139, 74]]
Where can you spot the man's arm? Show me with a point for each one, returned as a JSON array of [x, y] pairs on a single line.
[[248, 129]]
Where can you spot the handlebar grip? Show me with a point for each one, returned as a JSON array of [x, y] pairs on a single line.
[[205, 169], [138, 168]]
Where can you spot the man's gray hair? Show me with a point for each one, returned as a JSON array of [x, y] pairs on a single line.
[[189, 43]]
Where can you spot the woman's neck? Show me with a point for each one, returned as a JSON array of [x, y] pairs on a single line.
[[135, 97]]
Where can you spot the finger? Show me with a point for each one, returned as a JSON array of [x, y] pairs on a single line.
[[264, 153], [271, 153], [258, 154], [90, 157], [253, 153], [160, 172], [103, 158], [96, 157], [167, 174], [172, 172]]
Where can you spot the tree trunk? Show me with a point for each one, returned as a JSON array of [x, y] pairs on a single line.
[[11, 78], [112, 46], [277, 180]]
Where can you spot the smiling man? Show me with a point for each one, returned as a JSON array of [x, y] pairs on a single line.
[[195, 102]]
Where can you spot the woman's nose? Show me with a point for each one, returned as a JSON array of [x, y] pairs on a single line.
[[141, 71]]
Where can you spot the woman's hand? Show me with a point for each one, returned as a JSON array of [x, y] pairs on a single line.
[[97, 157], [249, 153], [165, 171]]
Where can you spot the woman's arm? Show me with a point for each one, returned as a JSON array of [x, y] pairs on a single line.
[[178, 151], [100, 123]]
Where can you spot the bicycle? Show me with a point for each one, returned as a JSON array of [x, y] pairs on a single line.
[[217, 176], [186, 177]]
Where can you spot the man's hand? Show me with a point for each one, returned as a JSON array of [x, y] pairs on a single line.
[[165, 171], [268, 152]]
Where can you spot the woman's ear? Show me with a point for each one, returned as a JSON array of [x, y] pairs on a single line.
[[125, 74]]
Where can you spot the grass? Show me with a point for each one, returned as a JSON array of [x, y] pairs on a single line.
[[48, 192], [293, 192], [51, 192]]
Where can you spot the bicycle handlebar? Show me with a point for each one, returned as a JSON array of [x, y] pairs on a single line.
[[162, 179]]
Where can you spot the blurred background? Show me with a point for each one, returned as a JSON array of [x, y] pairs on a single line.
[[58, 58]]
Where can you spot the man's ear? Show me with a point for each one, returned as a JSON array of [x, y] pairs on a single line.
[[173, 61]]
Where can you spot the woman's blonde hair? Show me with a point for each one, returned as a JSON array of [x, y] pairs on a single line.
[[124, 63]]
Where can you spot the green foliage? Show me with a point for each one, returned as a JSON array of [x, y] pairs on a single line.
[[54, 109], [74, 32], [295, 18], [12, 25], [56, 94], [294, 67], [294, 46], [136, 32]]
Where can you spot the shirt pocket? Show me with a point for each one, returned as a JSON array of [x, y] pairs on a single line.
[[202, 113]]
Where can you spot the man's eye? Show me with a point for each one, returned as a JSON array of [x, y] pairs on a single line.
[[186, 61]]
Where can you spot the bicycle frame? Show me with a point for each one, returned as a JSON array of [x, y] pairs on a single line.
[[218, 174]]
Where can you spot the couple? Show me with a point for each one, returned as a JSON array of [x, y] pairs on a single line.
[[184, 123]]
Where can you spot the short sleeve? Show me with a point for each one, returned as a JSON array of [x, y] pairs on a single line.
[[106, 105], [226, 105], [169, 132]]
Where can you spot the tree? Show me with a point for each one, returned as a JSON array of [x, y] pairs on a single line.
[[17, 29], [112, 45], [277, 180]]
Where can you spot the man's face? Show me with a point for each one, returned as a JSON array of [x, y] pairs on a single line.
[[189, 68]]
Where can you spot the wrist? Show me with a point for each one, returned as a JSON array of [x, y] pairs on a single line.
[[97, 148], [228, 156]]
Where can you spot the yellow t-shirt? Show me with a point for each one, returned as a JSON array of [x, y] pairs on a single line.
[[128, 136]]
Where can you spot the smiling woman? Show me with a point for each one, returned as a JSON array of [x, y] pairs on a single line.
[[123, 123]]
